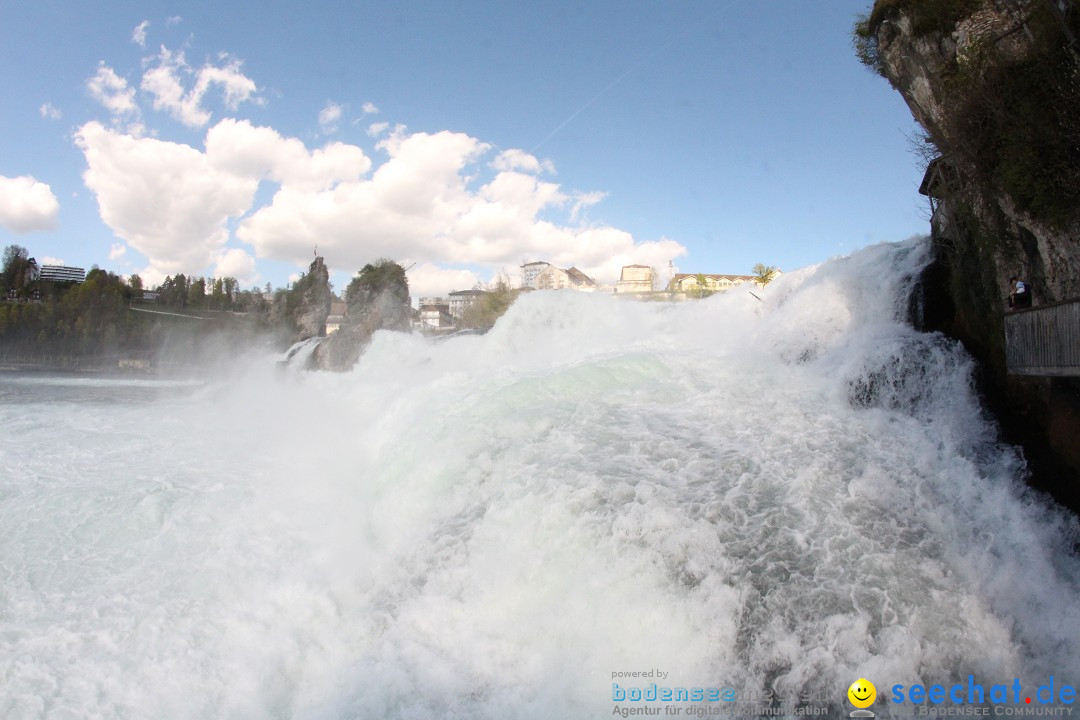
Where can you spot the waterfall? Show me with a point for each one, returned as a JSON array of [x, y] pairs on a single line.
[[777, 497]]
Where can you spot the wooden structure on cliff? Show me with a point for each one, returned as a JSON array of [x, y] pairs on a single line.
[[941, 182], [1044, 340]]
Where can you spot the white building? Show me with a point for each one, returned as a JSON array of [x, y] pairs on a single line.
[[336, 316], [61, 273], [462, 300], [553, 278], [530, 271], [435, 316], [635, 279], [691, 283]]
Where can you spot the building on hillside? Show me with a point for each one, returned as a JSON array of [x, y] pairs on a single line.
[[553, 278], [635, 279], [435, 315], [62, 273], [580, 281], [941, 181], [689, 283], [32, 272], [336, 316], [462, 300], [530, 271]]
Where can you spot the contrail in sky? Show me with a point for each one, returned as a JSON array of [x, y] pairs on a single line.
[[648, 58]]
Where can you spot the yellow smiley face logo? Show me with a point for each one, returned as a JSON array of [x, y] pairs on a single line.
[[862, 693]]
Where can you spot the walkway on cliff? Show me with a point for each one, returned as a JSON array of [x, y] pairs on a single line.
[[1044, 340]]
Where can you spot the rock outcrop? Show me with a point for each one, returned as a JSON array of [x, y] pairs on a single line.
[[377, 299], [313, 298], [996, 86], [952, 82], [303, 309]]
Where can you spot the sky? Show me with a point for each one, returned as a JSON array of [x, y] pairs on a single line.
[[460, 139]]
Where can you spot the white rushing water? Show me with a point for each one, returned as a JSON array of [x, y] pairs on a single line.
[[777, 496]]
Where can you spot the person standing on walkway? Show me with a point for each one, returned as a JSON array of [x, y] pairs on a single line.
[[1019, 294]]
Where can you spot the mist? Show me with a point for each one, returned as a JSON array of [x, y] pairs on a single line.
[[777, 495]]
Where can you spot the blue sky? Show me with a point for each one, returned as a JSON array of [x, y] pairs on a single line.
[[464, 137]]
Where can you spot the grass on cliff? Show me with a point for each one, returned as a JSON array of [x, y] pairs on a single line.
[[499, 296], [927, 16]]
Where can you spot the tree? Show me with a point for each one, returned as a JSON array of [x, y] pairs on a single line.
[[498, 296], [135, 283], [864, 38], [12, 274], [196, 294], [217, 295], [702, 284], [232, 288], [383, 279], [174, 291], [764, 274]]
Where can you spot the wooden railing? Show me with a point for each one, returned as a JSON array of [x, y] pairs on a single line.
[[1044, 340]]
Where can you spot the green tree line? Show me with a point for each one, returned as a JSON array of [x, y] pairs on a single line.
[[72, 320], [44, 321]]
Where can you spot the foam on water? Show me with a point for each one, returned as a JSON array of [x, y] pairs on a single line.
[[778, 496], [297, 355]]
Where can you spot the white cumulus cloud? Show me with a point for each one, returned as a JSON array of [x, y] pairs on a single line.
[[50, 111], [167, 82], [261, 152], [369, 108], [329, 117], [377, 129], [167, 200], [409, 204], [515, 159], [138, 35], [173, 202], [27, 205], [421, 204], [436, 198], [113, 92], [583, 201], [236, 263], [429, 280]]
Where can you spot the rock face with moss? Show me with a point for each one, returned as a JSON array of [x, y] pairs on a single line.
[[996, 87], [376, 299], [304, 307]]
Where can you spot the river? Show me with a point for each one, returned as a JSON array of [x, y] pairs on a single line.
[[775, 496]]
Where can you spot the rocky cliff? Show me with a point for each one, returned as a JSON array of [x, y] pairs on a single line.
[[996, 86], [303, 309], [376, 299]]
